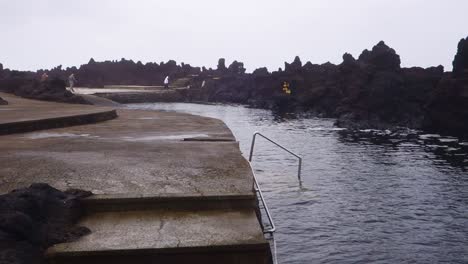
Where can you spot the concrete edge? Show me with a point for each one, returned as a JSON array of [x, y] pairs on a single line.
[[166, 96], [211, 139], [100, 203], [56, 122], [256, 246]]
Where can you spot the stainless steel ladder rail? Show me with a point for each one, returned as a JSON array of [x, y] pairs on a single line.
[[272, 228], [278, 145]]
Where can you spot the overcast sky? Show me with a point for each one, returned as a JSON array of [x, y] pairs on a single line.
[[38, 34]]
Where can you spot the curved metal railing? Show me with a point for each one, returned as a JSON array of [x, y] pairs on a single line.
[[278, 145], [272, 228]]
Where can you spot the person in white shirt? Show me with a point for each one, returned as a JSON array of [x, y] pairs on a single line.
[[72, 81], [166, 82]]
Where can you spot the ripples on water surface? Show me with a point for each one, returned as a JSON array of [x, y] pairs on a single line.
[[366, 197]]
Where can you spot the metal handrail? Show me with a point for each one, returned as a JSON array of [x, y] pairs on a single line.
[[278, 145], [267, 211], [272, 228]]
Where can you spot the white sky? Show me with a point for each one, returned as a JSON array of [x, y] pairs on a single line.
[[45, 33]]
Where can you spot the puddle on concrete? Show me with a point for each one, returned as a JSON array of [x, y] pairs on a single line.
[[148, 118], [56, 135], [170, 137]]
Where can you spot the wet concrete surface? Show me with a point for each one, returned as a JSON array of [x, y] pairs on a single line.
[[141, 152]]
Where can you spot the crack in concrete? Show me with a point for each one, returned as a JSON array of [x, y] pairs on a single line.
[[197, 190], [178, 242], [161, 225]]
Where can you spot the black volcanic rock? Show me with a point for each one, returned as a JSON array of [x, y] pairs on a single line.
[[261, 72], [53, 90], [460, 62], [35, 218], [382, 57], [123, 72], [236, 68], [372, 91], [221, 65], [293, 66], [348, 61], [447, 110]]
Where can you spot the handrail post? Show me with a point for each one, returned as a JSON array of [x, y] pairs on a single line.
[[299, 170], [280, 146], [252, 146]]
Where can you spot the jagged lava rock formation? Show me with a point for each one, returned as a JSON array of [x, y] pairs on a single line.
[[447, 111], [373, 91]]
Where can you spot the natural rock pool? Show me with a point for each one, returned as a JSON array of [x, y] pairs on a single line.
[[367, 196]]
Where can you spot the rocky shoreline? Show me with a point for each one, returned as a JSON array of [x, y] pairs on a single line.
[[372, 91]]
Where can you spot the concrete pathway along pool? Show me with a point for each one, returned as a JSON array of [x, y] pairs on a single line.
[[159, 177]]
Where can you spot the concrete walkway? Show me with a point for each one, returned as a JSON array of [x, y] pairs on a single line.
[[136, 94], [158, 178], [24, 115]]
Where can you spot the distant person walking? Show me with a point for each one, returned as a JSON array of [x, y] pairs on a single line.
[[166, 82], [72, 81]]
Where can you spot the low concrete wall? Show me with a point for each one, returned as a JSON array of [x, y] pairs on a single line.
[[101, 203], [169, 96], [55, 122]]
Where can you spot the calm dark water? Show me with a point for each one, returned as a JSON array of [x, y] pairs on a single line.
[[368, 197]]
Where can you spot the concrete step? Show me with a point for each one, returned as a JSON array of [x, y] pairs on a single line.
[[128, 202], [167, 236], [168, 95], [26, 115], [56, 122]]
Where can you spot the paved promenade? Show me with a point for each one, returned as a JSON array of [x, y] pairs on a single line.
[[167, 186]]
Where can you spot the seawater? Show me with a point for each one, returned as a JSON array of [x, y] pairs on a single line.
[[367, 196]]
